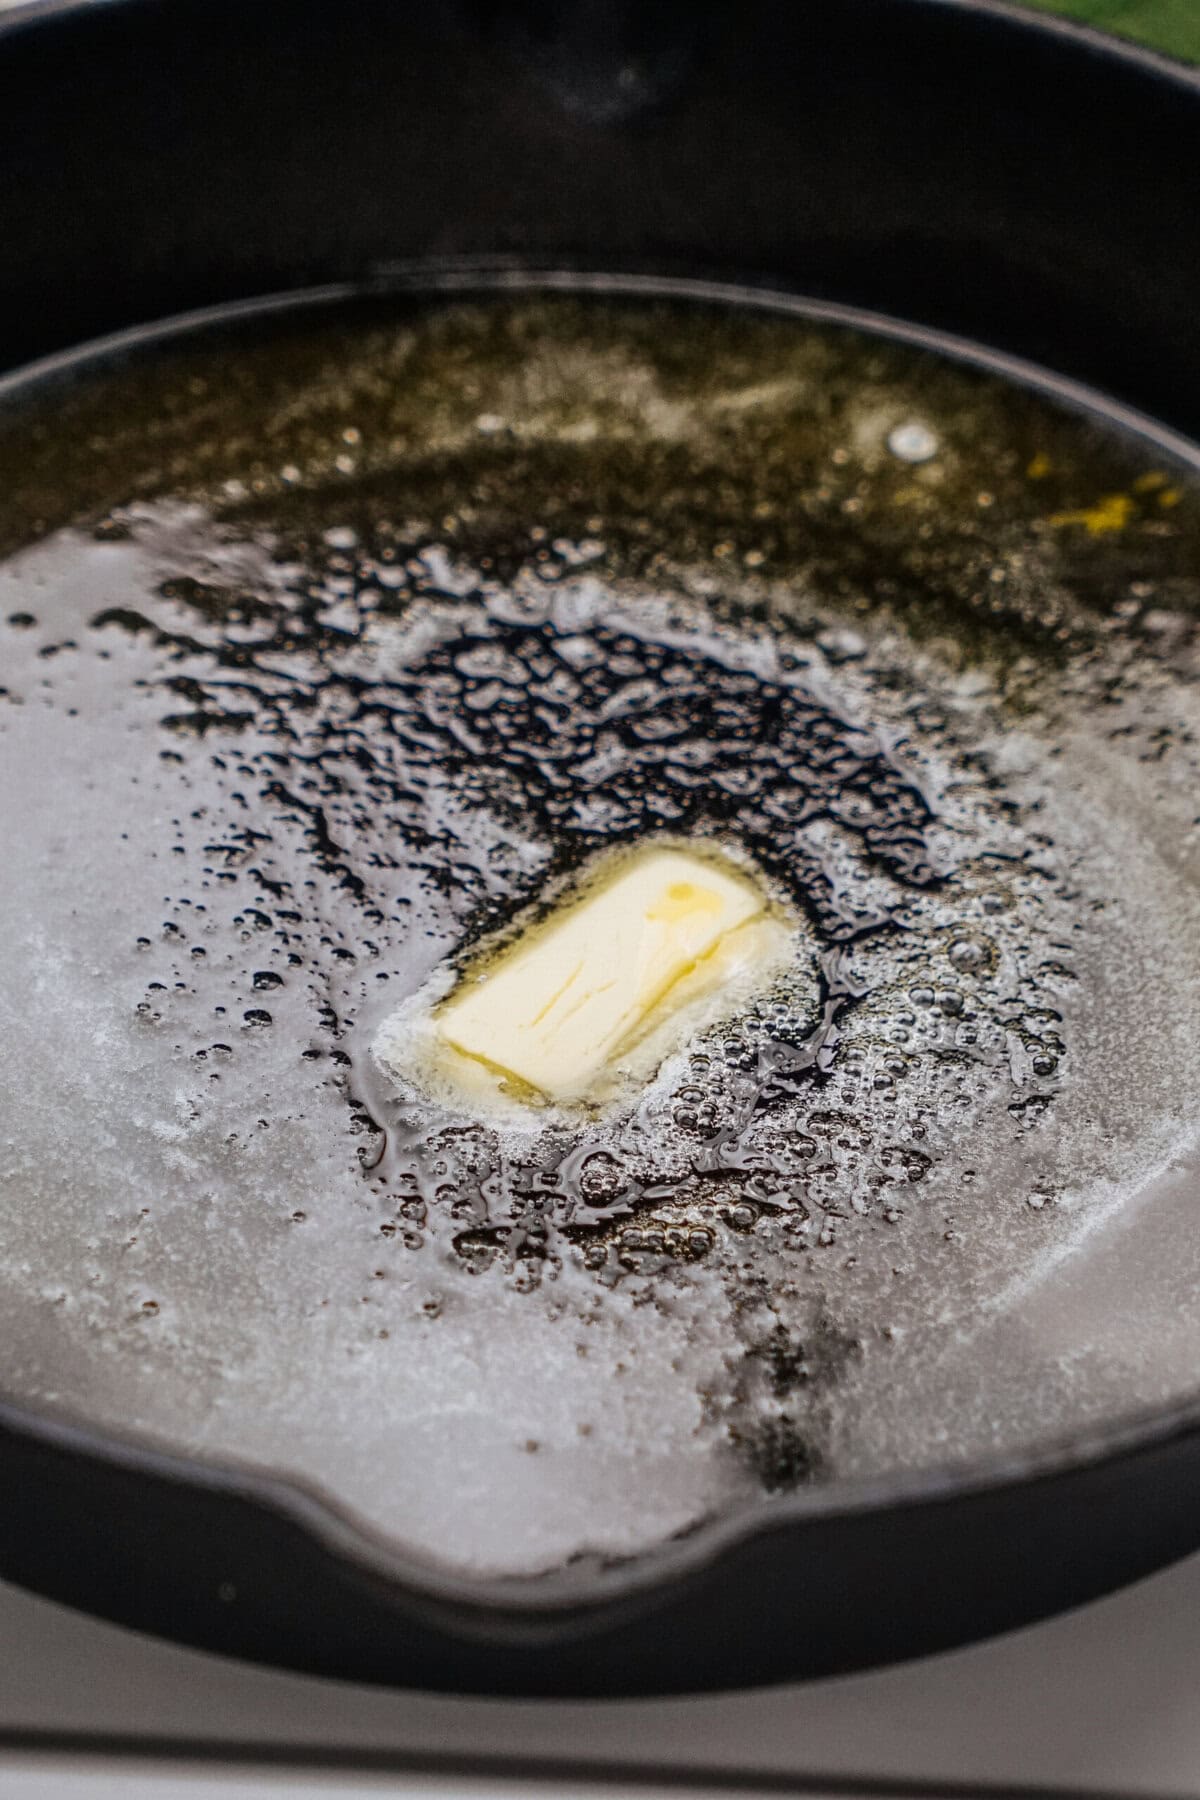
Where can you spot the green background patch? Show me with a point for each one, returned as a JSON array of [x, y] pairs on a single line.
[[1171, 25]]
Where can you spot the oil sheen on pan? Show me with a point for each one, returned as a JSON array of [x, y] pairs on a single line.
[[344, 657]]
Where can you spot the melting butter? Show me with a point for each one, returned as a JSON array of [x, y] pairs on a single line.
[[557, 1012]]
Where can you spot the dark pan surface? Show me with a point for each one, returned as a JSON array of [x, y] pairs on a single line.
[[341, 663], [1068, 1345]]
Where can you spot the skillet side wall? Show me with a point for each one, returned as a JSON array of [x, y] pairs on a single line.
[[799, 1598], [989, 176], [997, 178]]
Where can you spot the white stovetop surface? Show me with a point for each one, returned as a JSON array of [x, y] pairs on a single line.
[[1107, 1699]]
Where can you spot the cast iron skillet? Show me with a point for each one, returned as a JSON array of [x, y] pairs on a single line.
[[963, 166]]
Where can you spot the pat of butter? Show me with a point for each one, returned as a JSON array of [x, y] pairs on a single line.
[[562, 1004]]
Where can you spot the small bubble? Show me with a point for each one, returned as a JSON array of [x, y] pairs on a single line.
[[965, 954], [913, 442]]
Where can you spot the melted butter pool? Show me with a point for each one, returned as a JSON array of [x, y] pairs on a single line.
[[334, 647]]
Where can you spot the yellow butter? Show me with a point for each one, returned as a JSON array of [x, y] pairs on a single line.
[[560, 1007]]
